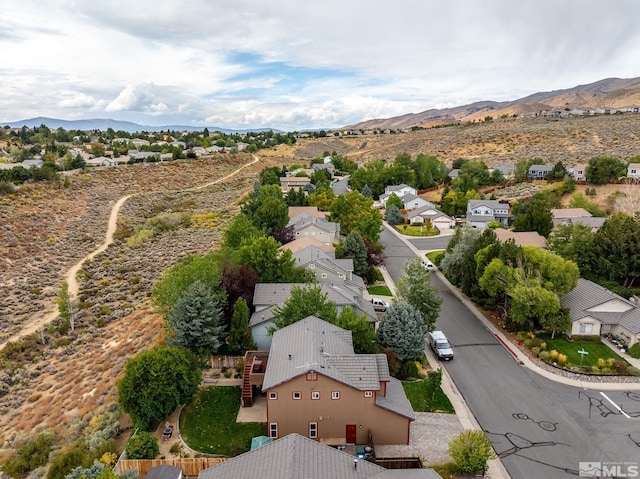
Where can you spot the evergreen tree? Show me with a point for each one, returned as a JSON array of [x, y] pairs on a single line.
[[402, 330], [393, 216], [414, 287], [355, 248], [240, 339], [194, 321]]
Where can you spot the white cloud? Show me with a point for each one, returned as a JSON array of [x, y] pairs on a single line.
[[195, 61]]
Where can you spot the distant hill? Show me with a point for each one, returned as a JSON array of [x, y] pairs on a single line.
[[105, 124], [607, 93]]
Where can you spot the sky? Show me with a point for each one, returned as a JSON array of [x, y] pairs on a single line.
[[294, 64]]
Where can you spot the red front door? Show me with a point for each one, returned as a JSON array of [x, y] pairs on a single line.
[[351, 433]]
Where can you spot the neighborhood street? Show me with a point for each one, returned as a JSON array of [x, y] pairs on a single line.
[[539, 428]]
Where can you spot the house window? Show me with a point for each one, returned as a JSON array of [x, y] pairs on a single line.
[[335, 394], [315, 394], [273, 395], [368, 394], [312, 376], [586, 328], [273, 430], [297, 395], [342, 276], [324, 275], [313, 430]]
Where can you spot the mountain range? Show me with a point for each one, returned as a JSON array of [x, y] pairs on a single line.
[[117, 125], [607, 93]]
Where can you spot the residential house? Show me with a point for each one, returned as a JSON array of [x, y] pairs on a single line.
[[412, 202], [522, 238], [399, 190], [596, 311], [633, 171], [330, 167], [305, 241], [566, 216], [138, 142], [267, 296], [321, 229], [508, 170], [310, 210], [295, 182], [538, 172], [295, 456], [100, 161], [482, 212], [329, 270], [428, 213], [318, 387], [164, 471], [306, 171], [454, 173], [579, 172]]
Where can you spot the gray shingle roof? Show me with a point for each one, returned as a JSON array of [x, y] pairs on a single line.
[[164, 471], [302, 221], [423, 209], [312, 254], [292, 457], [587, 296], [395, 400]]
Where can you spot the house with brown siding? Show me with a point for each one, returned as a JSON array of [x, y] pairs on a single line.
[[316, 386]]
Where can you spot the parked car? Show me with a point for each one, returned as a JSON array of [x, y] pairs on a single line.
[[428, 264], [379, 304], [440, 345]]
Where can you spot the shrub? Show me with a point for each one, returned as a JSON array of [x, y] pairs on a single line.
[[535, 351], [634, 351], [228, 373], [408, 370], [602, 363], [142, 446], [470, 451], [31, 454], [544, 355], [554, 355], [543, 345], [562, 359], [620, 366]]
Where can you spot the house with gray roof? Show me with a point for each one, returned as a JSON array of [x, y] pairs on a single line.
[[508, 170], [482, 212], [327, 269], [538, 172], [267, 296], [430, 214], [568, 216], [398, 190], [595, 310], [296, 456], [164, 471], [316, 386], [318, 228], [412, 202]]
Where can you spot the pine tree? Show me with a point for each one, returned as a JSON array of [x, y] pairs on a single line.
[[240, 339], [402, 330]]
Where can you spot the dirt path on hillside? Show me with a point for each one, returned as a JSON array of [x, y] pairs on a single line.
[[38, 321]]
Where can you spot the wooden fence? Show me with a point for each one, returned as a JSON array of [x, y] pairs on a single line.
[[190, 466], [230, 362]]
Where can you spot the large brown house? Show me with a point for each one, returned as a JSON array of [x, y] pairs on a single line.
[[316, 386]]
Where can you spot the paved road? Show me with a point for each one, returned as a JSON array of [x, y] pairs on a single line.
[[541, 429], [431, 243], [341, 186]]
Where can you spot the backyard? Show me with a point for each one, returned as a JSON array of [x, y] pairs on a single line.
[[208, 424]]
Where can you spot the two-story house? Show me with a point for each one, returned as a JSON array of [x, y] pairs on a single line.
[[327, 269], [267, 296], [579, 172], [633, 171], [399, 190], [412, 202], [308, 225], [316, 386], [482, 212], [538, 172]]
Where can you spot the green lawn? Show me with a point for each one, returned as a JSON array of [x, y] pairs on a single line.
[[379, 290], [416, 230], [434, 255], [209, 425], [570, 348], [422, 398]]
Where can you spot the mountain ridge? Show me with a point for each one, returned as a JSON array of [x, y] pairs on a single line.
[[609, 92], [103, 124]]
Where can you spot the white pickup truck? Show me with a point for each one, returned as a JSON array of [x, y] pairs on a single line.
[[440, 345]]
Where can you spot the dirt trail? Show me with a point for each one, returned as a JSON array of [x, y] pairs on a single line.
[[39, 320]]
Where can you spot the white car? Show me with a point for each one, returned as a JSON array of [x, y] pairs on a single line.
[[379, 304], [428, 264]]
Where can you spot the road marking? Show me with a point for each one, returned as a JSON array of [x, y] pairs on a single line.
[[615, 405]]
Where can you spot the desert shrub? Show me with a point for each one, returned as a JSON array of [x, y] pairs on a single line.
[[65, 462], [31, 454], [142, 446], [6, 188], [140, 237]]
